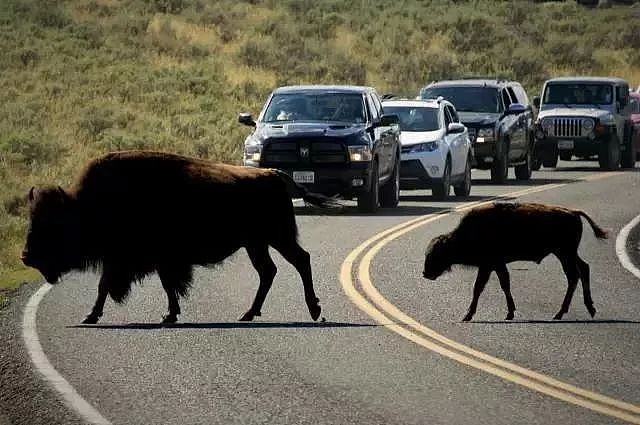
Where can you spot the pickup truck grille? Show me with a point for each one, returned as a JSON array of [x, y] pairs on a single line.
[[305, 152], [566, 127]]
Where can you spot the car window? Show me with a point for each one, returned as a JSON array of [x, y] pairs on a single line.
[[506, 99], [447, 117], [342, 107], [512, 95], [622, 94], [578, 94], [377, 104], [453, 113], [375, 116], [521, 95], [415, 118], [466, 98]]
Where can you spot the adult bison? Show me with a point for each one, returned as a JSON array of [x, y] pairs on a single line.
[[138, 212], [489, 237]]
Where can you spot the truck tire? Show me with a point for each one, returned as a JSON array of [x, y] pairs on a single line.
[[609, 155], [368, 201], [500, 168], [523, 172], [440, 190], [630, 154], [390, 191], [464, 188], [550, 157]]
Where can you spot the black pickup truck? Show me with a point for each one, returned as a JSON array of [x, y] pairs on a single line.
[[335, 140], [500, 122]]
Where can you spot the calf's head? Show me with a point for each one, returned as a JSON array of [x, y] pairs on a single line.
[[438, 258], [52, 233]]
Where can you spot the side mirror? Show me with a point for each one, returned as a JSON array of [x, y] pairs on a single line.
[[246, 119], [516, 108], [390, 119], [455, 128], [536, 102]]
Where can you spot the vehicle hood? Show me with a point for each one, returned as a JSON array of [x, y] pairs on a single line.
[[573, 112], [410, 138], [298, 129], [478, 118]]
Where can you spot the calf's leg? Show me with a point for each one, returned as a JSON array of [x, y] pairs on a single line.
[[583, 269], [478, 287], [98, 306], [301, 260], [176, 280], [570, 267], [262, 262], [505, 284]]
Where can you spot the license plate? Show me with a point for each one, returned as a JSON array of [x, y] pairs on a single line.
[[304, 176], [565, 144]]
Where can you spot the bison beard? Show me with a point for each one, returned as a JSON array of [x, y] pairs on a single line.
[[490, 237], [134, 213]]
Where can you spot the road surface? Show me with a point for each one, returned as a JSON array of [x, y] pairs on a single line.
[[365, 364]]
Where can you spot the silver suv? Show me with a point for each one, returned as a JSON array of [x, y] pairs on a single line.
[[585, 116]]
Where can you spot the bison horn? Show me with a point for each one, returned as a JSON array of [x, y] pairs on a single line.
[[62, 192], [32, 193]]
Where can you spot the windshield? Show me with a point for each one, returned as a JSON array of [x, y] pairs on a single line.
[[466, 98], [342, 107], [578, 94], [415, 119]]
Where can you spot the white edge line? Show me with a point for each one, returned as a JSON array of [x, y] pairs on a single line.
[[30, 335], [621, 247]]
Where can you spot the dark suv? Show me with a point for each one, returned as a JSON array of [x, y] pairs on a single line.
[[500, 122], [334, 139]]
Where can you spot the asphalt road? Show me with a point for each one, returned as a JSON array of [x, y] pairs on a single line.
[[282, 369]]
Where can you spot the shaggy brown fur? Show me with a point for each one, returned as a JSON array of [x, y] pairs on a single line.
[[134, 213], [489, 237]]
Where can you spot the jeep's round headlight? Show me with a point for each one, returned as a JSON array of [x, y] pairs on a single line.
[[546, 125], [587, 125]]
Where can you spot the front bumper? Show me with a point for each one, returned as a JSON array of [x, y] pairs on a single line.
[[335, 181], [578, 146]]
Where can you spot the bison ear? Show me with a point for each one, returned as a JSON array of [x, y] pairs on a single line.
[[32, 194]]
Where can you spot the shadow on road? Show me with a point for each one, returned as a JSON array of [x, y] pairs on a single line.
[[533, 182], [348, 210], [594, 169], [470, 198], [554, 322], [228, 325]]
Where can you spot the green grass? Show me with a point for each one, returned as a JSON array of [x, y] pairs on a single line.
[[82, 77]]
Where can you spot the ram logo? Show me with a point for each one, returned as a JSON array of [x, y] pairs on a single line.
[[304, 152]]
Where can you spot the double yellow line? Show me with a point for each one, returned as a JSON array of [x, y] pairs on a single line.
[[355, 269]]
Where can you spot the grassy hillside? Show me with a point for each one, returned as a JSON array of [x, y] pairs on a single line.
[[82, 77]]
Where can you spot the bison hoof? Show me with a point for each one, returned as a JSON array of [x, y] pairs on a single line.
[[170, 318], [248, 316], [558, 316], [592, 311], [315, 311], [509, 316], [90, 320], [467, 318]]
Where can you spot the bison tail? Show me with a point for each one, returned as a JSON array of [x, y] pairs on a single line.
[[597, 230], [297, 190]]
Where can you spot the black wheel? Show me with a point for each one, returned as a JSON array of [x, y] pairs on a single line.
[[500, 168], [440, 190], [609, 155], [523, 172], [368, 202], [566, 155], [550, 157], [390, 191], [629, 155], [464, 188]]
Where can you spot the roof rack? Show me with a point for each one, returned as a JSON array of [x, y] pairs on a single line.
[[437, 99]]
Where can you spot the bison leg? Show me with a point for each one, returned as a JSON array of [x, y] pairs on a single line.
[[478, 287], [505, 284], [570, 267], [301, 260], [263, 263], [174, 281], [583, 269], [103, 291]]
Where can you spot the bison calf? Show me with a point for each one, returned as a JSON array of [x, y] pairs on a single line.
[[134, 213], [489, 237]]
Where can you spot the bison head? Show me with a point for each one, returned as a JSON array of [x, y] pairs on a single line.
[[438, 257], [52, 233]]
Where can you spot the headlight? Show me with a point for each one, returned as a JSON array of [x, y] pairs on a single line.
[[252, 151], [587, 125], [360, 153], [546, 125], [424, 147]]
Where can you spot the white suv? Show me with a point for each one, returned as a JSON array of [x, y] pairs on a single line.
[[436, 150]]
